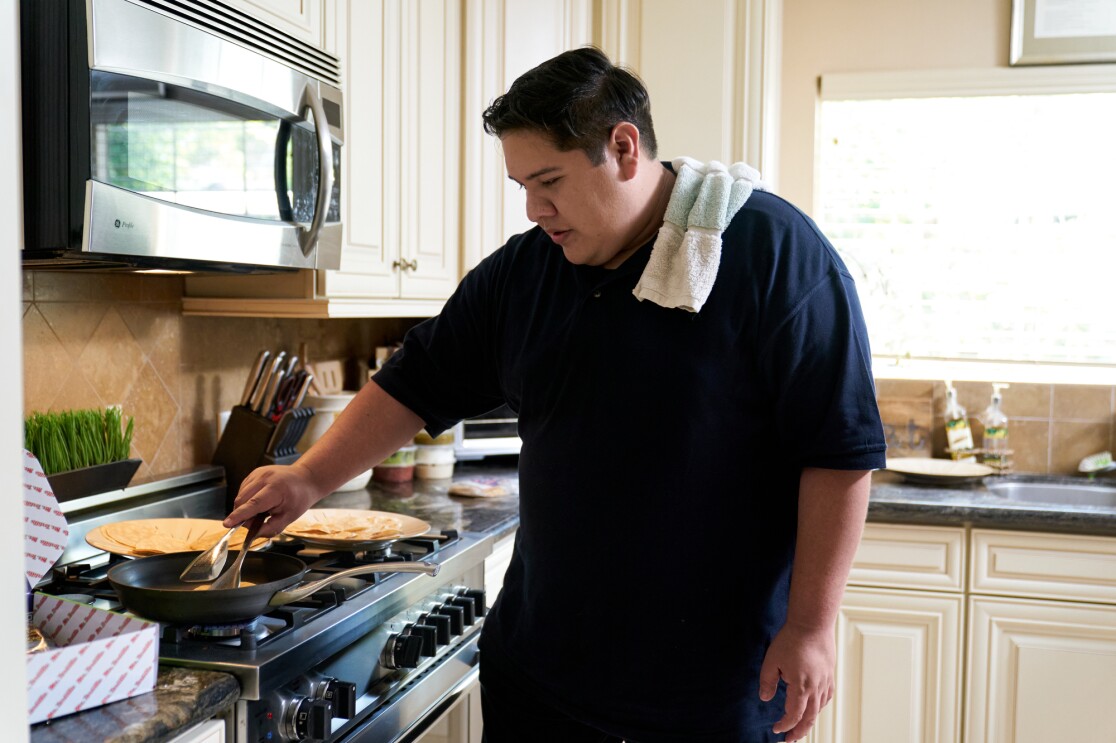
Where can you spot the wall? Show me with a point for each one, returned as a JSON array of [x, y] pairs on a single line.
[[91, 340]]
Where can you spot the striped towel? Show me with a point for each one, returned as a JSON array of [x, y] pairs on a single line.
[[687, 252]]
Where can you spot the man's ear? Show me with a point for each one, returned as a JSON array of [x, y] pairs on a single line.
[[623, 144]]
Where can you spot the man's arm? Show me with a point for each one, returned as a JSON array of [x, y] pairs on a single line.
[[832, 505], [373, 426]]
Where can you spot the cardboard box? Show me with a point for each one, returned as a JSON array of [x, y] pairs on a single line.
[[97, 657]]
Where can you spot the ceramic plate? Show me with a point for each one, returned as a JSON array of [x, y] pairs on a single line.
[[144, 537], [937, 471]]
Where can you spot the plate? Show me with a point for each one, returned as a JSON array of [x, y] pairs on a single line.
[[145, 537], [937, 471], [353, 528]]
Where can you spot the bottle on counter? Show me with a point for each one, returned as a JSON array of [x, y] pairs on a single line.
[[996, 450], [959, 434]]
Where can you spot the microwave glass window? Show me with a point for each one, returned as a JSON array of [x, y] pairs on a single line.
[[197, 150]]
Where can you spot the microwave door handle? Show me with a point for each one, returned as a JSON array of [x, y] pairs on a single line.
[[282, 141], [308, 237]]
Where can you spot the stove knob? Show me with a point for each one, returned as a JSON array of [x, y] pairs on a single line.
[[468, 608], [342, 697], [456, 615], [479, 599], [429, 637], [403, 651], [312, 720], [441, 623]]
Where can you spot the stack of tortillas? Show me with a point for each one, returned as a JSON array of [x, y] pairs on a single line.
[[143, 537], [354, 525]]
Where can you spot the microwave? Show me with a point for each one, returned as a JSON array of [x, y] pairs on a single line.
[[495, 433], [176, 135]]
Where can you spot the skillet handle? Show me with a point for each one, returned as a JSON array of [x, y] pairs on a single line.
[[301, 592]]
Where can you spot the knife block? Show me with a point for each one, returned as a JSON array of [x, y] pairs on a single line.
[[244, 447]]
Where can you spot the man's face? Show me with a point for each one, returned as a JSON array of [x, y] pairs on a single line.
[[581, 206]]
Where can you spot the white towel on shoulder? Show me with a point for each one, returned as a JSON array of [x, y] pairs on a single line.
[[687, 253]]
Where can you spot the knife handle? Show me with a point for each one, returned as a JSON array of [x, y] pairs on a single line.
[[254, 377]]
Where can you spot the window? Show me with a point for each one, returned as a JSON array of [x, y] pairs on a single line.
[[977, 211]]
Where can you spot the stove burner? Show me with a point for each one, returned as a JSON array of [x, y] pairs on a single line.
[[224, 631]]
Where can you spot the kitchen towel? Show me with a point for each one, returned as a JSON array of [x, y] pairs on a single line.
[[687, 252]]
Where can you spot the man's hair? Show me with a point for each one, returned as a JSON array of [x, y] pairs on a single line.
[[575, 99]]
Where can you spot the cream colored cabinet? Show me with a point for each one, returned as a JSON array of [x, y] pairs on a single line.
[[400, 174], [495, 565], [504, 39], [1043, 667], [299, 18], [899, 640], [210, 731]]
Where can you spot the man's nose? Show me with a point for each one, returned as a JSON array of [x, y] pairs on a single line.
[[539, 207]]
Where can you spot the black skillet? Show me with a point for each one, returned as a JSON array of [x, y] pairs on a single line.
[[149, 587]]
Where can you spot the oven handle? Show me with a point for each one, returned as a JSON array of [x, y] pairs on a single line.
[[310, 98]]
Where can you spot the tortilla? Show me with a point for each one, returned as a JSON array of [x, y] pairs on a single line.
[[342, 525], [145, 537]]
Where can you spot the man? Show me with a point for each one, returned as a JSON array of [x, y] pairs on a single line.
[[674, 465]]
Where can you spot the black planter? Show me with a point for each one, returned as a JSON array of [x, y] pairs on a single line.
[[99, 478]]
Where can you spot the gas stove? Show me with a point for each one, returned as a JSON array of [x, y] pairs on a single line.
[[370, 658]]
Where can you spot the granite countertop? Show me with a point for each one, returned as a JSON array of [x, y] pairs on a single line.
[[894, 500], [182, 697]]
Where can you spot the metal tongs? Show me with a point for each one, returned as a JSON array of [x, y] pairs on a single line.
[[208, 565]]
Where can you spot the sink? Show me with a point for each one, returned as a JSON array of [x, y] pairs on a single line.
[[1056, 493]]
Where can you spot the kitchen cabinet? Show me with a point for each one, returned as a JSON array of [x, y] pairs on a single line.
[[899, 640], [400, 174], [299, 18], [504, 39], [495, 565], [1042, 638], [1032, 614], [461, 723]]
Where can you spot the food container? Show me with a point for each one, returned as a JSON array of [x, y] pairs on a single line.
[[326, 409], [399, 467], [434, 462]]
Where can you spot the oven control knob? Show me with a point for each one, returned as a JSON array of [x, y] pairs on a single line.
[[342, 697], [441, 624], [468, 609], [312, 720], [479, 599], [403, 651], [456, 615], [429, 637]]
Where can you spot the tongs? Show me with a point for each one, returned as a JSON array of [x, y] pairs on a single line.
[[207, 565]]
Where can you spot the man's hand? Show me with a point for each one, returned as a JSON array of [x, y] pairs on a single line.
[[285, 492], [804, 659]]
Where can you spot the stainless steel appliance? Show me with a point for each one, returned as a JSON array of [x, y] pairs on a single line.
[[176, 135], [495, 433], [369, 659]]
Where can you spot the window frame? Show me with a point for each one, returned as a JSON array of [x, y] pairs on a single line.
[[1060, 79]]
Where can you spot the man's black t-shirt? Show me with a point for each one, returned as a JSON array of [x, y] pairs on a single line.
[[662, 451]]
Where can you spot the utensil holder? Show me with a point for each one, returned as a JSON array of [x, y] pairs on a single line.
[[249, 441]]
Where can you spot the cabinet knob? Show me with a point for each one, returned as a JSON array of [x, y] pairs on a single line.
[[405, 265]]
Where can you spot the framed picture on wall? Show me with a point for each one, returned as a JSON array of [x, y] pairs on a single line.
[[1063, 31]]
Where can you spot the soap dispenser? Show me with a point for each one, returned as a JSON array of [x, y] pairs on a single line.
[[996, 452], [959, 435]]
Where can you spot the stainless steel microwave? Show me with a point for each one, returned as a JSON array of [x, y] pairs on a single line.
[[176, 135]]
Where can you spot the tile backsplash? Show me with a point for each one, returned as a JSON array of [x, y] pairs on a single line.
[[1052, 427], [91, 340]]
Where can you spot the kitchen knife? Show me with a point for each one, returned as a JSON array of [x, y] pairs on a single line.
[[267, 404], [254, 376], [261, 389], [306, 381]]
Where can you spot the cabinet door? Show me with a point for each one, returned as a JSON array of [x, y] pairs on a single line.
[[211, 731], [1040, 671], [401, 179], [504, 39], [898, 669], [299, 18]]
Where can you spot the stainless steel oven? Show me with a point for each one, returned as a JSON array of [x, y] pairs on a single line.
[[176, 135]]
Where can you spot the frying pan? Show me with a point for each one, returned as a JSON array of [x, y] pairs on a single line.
[[149, 586]]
